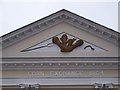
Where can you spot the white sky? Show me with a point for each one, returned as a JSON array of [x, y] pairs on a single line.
[[18, 13]]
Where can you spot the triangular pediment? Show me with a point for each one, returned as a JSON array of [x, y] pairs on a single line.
[[103, 40]]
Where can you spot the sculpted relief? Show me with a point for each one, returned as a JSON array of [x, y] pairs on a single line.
[[65, 44]]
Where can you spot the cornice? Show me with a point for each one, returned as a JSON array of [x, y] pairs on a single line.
[[60, 64], [29, 31], [54, 19]]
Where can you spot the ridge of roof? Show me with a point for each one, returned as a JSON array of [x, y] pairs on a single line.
[[64, 14]]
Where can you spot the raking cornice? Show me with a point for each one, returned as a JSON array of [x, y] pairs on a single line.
[[56, 18]]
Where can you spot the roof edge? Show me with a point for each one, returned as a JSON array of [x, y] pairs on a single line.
[[60, 16]]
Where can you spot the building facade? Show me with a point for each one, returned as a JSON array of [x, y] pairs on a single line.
[[60, 51]]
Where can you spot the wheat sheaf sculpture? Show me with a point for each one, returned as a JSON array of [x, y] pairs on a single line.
[[65, 44]]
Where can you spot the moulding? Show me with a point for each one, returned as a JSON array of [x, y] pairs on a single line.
[[59, 63]]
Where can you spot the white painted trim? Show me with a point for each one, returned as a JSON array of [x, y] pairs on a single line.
[[61, 81], [53, 63]]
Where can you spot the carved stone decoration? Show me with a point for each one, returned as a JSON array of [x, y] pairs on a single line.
[[100, 86], [29, 87], [24, 87], [65, 44]]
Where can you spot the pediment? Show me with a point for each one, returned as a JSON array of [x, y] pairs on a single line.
[[102, 48], [40, 33]]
